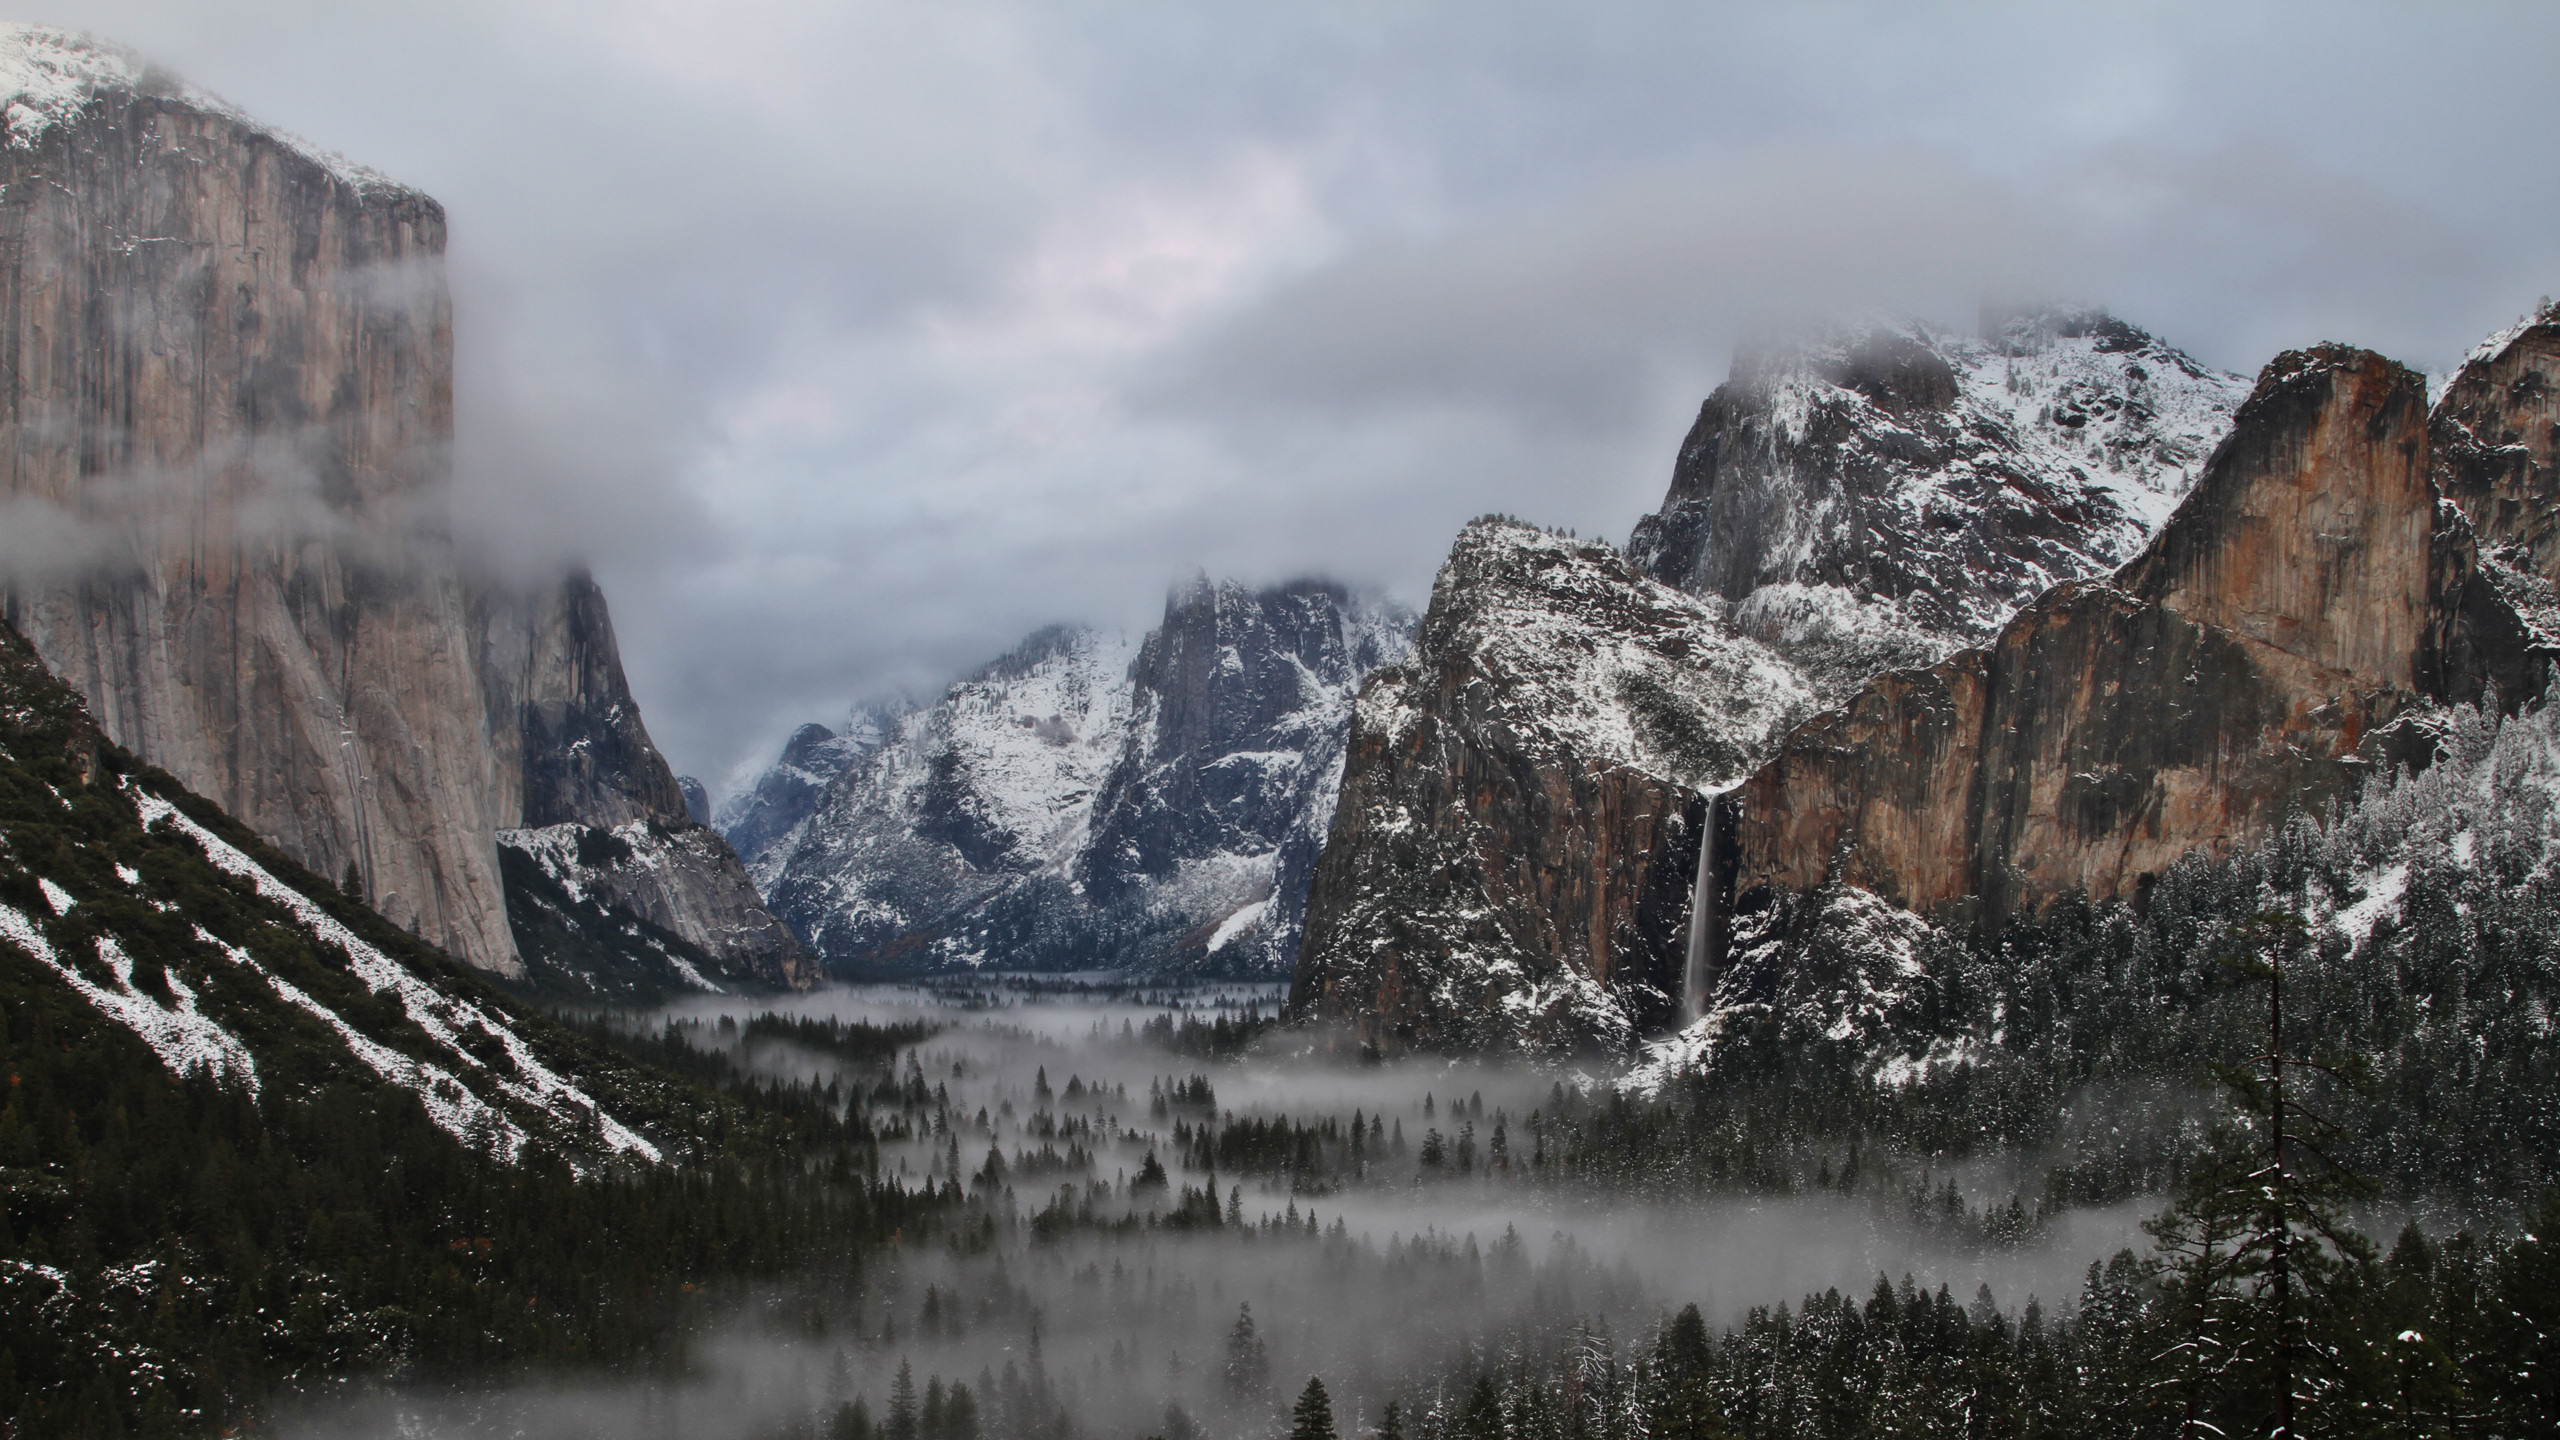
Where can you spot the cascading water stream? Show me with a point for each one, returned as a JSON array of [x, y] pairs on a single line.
[[1702, 895]]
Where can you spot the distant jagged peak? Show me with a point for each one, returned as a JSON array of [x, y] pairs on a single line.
[[49, 75]]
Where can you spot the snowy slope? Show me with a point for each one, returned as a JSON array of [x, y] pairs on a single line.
[[907, 859], [763, 822], [222, 958]]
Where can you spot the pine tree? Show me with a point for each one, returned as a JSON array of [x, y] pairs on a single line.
[[902, 1406], [2258, 1247], [1684, 1366], [1390, 1423], [1248, 1370], [1312, 1418]]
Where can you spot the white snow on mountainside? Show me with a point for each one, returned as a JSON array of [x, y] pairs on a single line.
[[961, 801], [47, 74], [1878, 495], [1084, 802]]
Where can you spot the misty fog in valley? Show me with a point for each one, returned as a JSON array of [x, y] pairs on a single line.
[[1180, 1213]]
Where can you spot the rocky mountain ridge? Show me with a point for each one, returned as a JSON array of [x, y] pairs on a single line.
[[1878, 495], [2274, 645], [1873, 497], [1085, 801]]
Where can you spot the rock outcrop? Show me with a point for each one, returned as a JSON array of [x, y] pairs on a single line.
[[1871, 498], [226, 416], [587, 801], [1881, 496], [2253, 661], [1240, 707], [2497, 455], [1511, 860], [1083, 802]]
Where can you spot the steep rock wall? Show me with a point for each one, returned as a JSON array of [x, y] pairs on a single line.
[[224, 428], [2497, 454], [2311, 591], [1879, 496], [1240, 707], [226, 415], [1511, 858]]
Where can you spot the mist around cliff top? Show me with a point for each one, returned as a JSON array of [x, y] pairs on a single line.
[[1385, 1287], [853, 342]]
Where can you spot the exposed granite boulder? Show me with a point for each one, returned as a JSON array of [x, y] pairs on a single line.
[[1510, 862]]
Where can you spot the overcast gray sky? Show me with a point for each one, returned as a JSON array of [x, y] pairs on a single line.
[[849, 342]]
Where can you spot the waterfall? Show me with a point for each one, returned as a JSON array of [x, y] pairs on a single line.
[[1693, 976]]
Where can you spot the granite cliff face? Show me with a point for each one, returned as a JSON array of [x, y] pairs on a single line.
[[1879, 496], [228, 417], [1510, 863], [2253, 661], [1869, 498], [227, 410], [2497, 453], [1240, 707], [1082, 802]]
